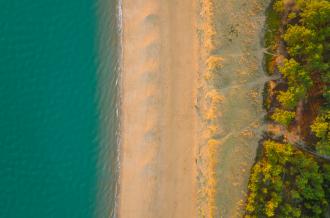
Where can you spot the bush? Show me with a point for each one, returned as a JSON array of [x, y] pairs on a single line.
[[283, 117], [323, 147], [320, 128], [279, 6], [296, 74], [290, 98], [321, 125], [326, 94], [298, 38]]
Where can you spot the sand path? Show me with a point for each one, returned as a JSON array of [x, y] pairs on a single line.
[[157, 175]]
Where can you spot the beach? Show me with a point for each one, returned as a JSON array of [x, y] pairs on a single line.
[[158, 117], [191, 107]]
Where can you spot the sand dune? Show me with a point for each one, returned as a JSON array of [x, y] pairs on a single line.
[[232, 115], [157, 175]]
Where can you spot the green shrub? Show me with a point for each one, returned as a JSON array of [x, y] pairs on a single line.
[[290, 98], [320, 128], [326, 94], [298, 38], [323, 147], [321, 125], [296, 74], [283, 117], [279, 6]]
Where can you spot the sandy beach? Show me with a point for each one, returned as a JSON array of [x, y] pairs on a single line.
[[191, 111], [158, 117]]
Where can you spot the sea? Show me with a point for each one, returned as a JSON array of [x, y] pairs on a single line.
[[59, 73]]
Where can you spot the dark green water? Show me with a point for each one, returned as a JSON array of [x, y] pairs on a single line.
[[57, 109]]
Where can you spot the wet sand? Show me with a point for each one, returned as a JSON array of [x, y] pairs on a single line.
[[158, 117]]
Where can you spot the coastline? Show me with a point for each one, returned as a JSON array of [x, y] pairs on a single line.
[[158, 119], [162, 99], [109, 102]]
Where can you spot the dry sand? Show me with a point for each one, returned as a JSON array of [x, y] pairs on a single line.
[[165, 133], [159, 72]]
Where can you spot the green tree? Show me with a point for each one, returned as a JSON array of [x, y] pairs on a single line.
[[316, 14], [290, 98], [326, 94], [283, 117], [320, 128], [323, 147], [295, 74], [321, 125], [279, 6], [285, 183], [298, 39]]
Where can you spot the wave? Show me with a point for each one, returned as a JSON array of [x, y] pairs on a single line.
[[109, 100], [118, 82]]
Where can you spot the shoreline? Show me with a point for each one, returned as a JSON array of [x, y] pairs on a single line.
[[163, 95], [158, 119]]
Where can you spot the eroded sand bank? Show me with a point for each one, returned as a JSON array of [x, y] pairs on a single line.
[[158, 117]]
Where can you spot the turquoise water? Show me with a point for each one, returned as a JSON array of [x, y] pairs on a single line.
[[57, 109]]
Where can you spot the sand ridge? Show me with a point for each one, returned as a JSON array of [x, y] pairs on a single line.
[[159, 69]]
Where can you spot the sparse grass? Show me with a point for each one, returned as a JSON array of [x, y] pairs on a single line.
[[271, 36]]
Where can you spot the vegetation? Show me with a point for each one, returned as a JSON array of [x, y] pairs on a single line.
[[283, 117], [285, 181], [299, 82], [320, 128], [271, 33]]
